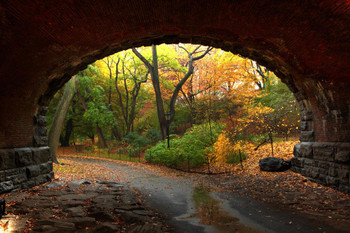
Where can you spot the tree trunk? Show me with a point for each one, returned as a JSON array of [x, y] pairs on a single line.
[[60, 115], [153, 69], [102, 143], [159, 99], [69, 130]]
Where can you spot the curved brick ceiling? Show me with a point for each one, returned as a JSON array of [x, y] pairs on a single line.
[[43, 43]]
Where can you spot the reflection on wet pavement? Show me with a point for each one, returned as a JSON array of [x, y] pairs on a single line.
[[209, 211]]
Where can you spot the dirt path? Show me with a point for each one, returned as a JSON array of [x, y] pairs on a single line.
[[197, 204]]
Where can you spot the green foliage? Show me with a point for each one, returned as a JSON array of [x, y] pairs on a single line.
[[120, 151], [187, 151], [136, 140], [182, 116], [153, 134], [131, 137], [89, 148], [132, 151]]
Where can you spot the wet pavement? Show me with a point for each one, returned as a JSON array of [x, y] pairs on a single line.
[[190, 205]]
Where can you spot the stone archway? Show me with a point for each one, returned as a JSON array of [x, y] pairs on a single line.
[[305, 43]]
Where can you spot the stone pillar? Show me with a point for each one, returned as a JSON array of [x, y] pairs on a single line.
[[27, 166], [326, 163]]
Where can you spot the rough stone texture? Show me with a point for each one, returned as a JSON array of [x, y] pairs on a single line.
[[50, 214], [273, 164], [26, 167], [324, 163]]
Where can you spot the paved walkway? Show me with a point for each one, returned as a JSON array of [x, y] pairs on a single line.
[[79, 206]]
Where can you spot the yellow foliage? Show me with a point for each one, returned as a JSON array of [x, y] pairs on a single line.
[[223, 148]]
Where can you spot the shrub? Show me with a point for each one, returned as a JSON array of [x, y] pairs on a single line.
[[89, 148], [136, 140], [153, 135], [132, 152], [188, 151], [130, 137], [120, 151], [225, 152]]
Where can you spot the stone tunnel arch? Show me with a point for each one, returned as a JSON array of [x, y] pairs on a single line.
[[304, 43]]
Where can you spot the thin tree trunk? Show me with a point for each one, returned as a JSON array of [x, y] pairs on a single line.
[[153, 69], [60, 115], [68, 132]]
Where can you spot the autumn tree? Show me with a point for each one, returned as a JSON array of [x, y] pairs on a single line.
[[154, 71]]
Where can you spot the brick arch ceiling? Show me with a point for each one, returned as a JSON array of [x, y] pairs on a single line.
[[43, 43]]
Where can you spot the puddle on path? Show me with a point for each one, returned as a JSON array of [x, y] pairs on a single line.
[[209, 211]]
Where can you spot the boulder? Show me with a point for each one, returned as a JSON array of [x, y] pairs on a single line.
[[272, 164]]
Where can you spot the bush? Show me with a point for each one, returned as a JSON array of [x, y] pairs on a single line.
[[130, 137], [153, 135], [226, 152], [188, 151], [120, 151], [136, 140], [141, 141], [89, 148], [132, 152]]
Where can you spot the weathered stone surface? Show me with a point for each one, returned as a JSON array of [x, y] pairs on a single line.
[[107, 228], [324, 167], [7, 159], [343, 155], [306, 149], [309, 162], [40, 120], [6, 186], [43, 110], [272, 164], [306, 116], [82, 221], [146, 228], [297, 162], [18, 179], [323, 151], [77, 211], [40, 140], [55, 185], [77, 197], [333, 172], [332, 181], [40, 131], [303, 125], [33, 171], [46, 167], [23, 157], [296, 150], [41, 155], [102, 216], [28, 184], [307, 136]]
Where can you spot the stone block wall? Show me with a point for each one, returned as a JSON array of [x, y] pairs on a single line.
[[26, 167], [326, 163]]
